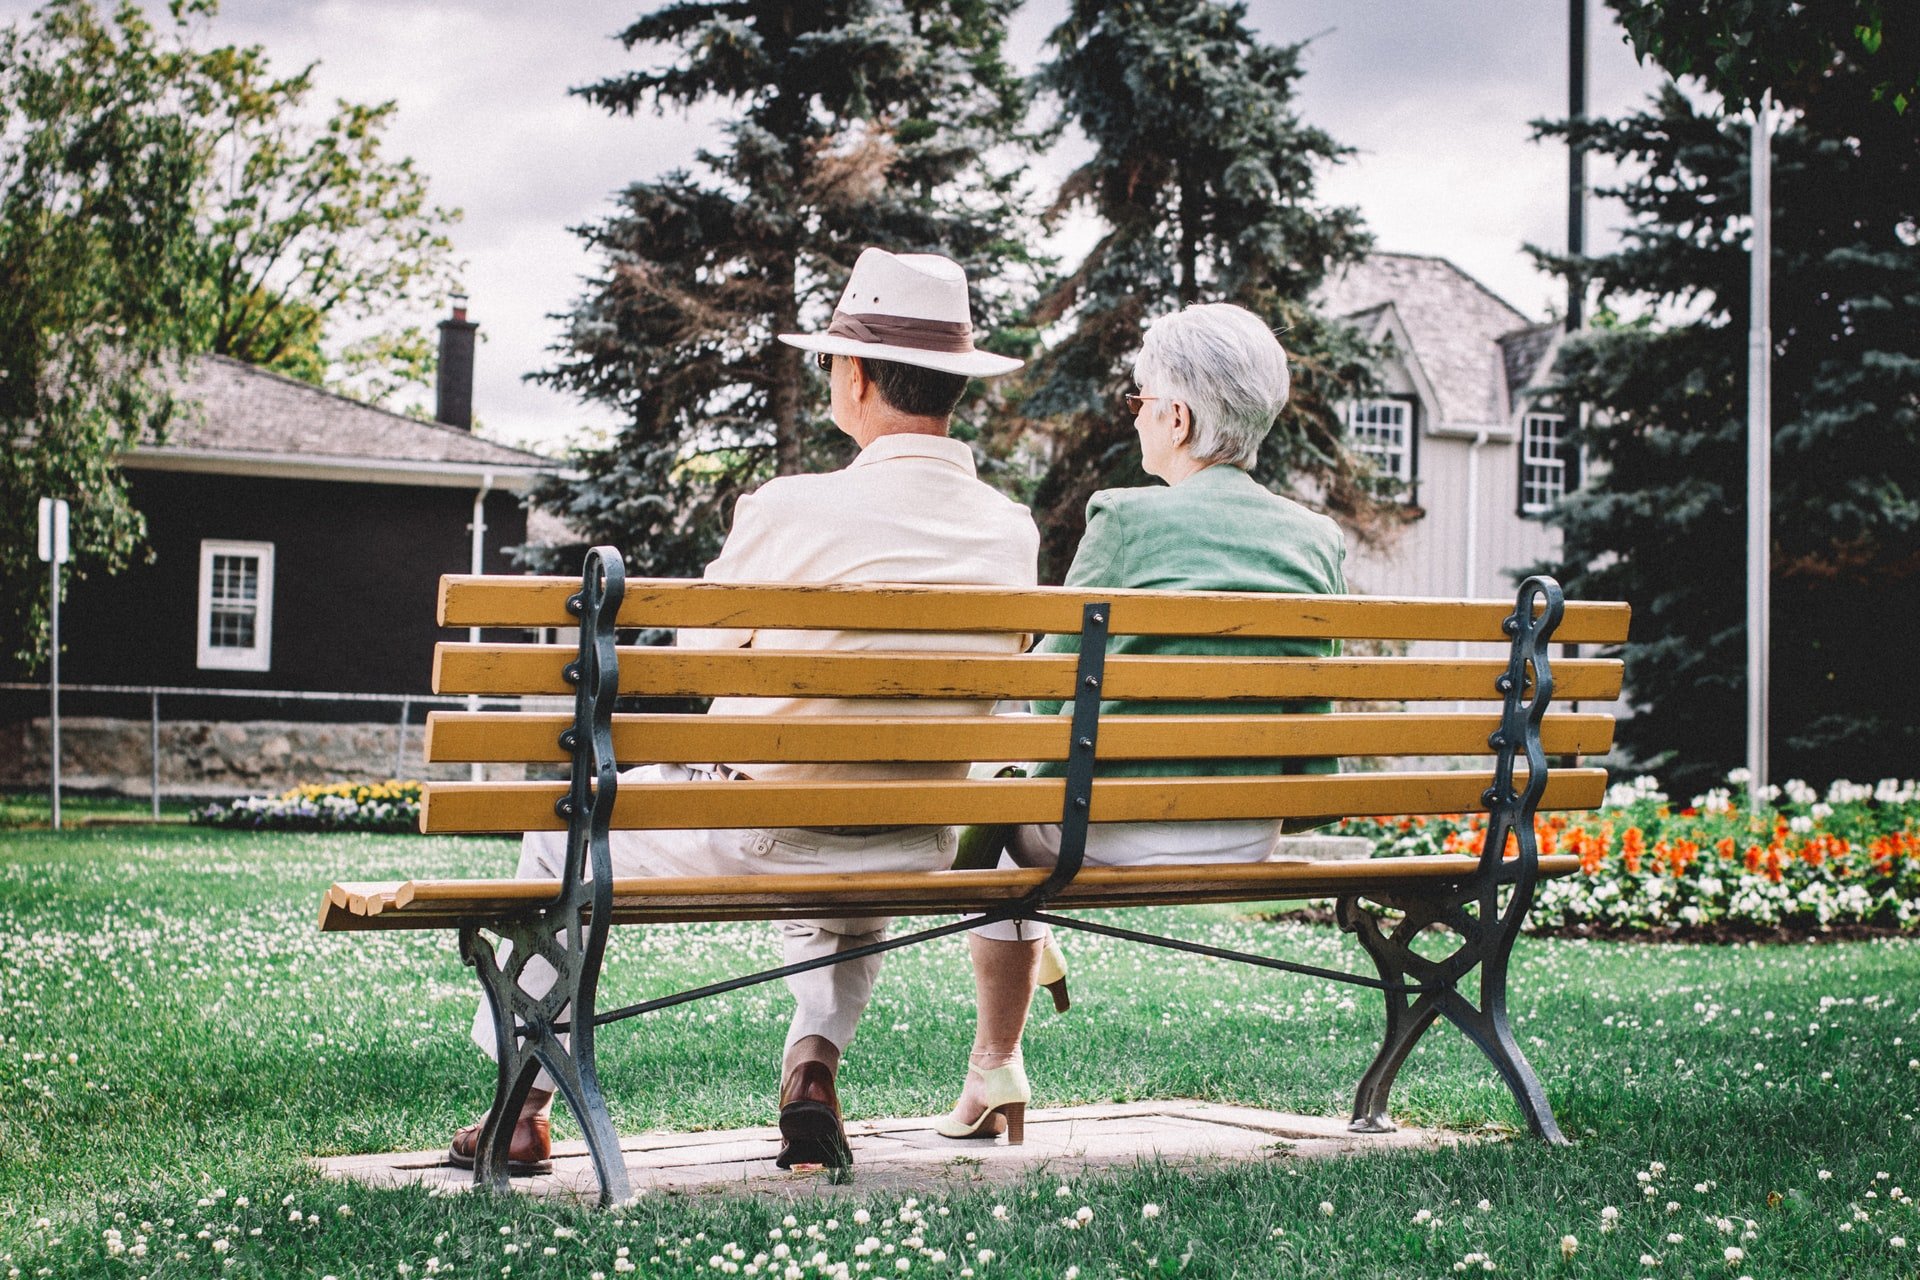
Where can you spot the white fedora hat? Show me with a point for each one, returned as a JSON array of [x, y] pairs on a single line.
[[910, 308]]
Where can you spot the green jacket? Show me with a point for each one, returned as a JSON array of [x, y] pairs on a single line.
[[1218, 530]]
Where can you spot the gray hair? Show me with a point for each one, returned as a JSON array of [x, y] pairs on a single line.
[[1225, 365]]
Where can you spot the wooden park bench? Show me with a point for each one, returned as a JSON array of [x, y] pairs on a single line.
[[1475, 904]]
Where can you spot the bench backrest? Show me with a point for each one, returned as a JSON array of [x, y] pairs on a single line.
[[1412, 730]]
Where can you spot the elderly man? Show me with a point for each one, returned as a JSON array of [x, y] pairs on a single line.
[[909, 508]]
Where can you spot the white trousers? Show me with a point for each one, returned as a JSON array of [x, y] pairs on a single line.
[[1132, 844], [829, 1000]]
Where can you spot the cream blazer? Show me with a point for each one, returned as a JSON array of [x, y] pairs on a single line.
[[910, 508]]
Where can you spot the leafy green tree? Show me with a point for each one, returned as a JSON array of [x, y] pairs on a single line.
[[1203, 179], [307, 231], [859, 123], [1662, 521], [98, 174]]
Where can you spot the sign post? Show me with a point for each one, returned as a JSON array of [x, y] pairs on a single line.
[[53, 550]]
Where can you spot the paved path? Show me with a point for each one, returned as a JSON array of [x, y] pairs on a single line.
[[892, 1155]]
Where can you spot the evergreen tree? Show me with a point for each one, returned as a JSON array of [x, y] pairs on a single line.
[[1203, 179], [860, 123], [1662, 522]]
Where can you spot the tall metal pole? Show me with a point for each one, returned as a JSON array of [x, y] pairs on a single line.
[[1576, 159], [53, 681], [1759, 444]]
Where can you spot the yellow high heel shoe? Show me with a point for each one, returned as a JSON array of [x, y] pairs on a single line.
[[1053, 974], [1007, 1094]]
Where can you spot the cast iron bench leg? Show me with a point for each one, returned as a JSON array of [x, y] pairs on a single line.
[[526, 1041], [1409, 1014]]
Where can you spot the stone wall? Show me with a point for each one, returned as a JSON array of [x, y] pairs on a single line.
[[218, 758]]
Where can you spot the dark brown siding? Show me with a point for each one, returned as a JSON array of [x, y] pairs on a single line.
[[356, 572]]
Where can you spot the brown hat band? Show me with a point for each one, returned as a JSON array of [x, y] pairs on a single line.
[[904, 331]]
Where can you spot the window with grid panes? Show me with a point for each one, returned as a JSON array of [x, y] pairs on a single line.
[[1382, 430], [1543, 462], [236, 605]]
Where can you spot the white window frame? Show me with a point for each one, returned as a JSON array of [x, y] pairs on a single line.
[[1389, 459], [258, 657], [1542, 471]]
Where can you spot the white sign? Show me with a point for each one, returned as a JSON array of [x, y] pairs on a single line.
[[53, 530]]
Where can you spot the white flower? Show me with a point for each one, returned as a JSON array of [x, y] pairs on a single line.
[[1734, 1253], [1149, 1210], [1326, 1208], [1569, 1245], [1824, 1175], [1485, 1206], [1084, 1214]]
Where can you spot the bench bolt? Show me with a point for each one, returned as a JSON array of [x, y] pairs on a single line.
[[569, 740], [1504, 684], [575, 604], [1086, 742], [1511, 624], [571, 673], [563, 807], [1093, 682], [1496, 740]]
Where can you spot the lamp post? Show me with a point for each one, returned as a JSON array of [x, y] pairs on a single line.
[[1759, 444]]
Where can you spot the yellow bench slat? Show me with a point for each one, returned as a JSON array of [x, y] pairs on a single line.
[[661, 672], [469, 601], [473, 807], [444, 903], [497, 737]]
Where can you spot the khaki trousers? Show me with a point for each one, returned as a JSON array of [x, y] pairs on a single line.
[[828, 1001], [1132, 844]]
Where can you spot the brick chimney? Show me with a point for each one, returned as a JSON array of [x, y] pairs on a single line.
[[453, 392]]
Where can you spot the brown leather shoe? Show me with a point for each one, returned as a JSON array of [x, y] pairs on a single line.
[[529, 1151], [810, 1126]]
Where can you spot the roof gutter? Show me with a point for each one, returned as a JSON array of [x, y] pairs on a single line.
[[395, 471]]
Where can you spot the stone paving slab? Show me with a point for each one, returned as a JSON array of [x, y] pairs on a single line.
[[907, 1155]]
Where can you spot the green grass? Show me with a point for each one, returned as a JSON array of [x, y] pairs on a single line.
[[19, 809], [176, 1037]]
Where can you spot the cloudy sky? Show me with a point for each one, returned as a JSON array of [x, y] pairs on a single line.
[[1435, 95]]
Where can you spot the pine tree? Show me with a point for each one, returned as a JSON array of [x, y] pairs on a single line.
[[1203, 179], [1662, 522], [860, 123]]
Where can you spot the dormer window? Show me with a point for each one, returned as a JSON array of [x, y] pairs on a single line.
[[1547, 462], [1381, 431]]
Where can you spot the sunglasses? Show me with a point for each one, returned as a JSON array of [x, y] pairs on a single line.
[[1134, 403], [823, 362]]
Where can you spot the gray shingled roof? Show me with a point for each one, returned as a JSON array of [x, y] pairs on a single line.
[[248, 410], [1522, 351], [1454, 323]]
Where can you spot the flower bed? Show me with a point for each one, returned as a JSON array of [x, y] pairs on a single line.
[[339, 806], [1795, 862]]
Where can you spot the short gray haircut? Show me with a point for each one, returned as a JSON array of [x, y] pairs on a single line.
[[1225, 365]]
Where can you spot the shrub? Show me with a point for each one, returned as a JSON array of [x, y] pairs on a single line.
[[338, 806]]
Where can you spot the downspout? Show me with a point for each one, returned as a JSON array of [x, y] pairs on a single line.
[[477, 565], [1471, 568]]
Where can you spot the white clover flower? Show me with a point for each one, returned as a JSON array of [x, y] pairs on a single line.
[[1648, 1260], [1149, 1211], [1326, 1208], [1734, 1253], [1569, 1245]]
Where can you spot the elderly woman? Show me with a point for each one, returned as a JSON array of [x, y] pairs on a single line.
[[1212, 379]]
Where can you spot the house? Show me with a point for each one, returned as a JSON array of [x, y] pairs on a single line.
[[297, 539], [1459, 419]]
